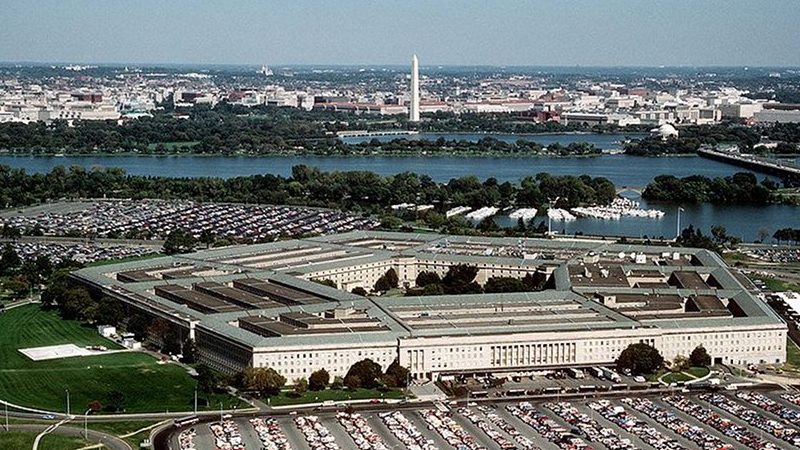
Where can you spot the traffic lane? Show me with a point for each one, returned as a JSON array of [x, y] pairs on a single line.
[[494, 426], [293, 434], [764, 435], [110, 441], [380, 428], [415, 418], [338, 432], [473, 430], [708, 429], [605, 423], [661, 428], [526, 430], [568, 426], [248, 433]]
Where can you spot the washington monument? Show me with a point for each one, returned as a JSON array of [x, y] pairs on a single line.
[[413, 112]]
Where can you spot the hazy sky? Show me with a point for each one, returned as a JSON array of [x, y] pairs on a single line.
[[490, 32]]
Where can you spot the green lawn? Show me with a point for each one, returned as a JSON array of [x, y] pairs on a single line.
[[334, 395], [24, 440], [677, 377], [105, 262], [777, 285], [147, 385], [698, 372], [792, 356]]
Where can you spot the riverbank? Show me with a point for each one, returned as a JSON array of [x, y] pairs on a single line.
[[482, 154]]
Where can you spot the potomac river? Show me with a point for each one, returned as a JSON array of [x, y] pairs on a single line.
[[623, 170]]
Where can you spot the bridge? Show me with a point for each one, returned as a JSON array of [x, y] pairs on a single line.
[[634, 189], [365, 133], [765, 165]]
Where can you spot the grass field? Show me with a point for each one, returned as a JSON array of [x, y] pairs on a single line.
[[147, 385], [777, 285], [792, 356], [105, 262], [24, 440], [285, 398]]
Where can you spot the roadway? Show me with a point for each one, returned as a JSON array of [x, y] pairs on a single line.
[[110, 441]]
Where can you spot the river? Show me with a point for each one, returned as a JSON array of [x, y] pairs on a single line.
[[623, 170]]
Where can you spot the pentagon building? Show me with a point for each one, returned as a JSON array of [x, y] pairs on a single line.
[[262, 305]]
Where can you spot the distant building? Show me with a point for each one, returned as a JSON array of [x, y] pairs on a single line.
[[778, 113], [665, 131], [584, 118], [741, 110]]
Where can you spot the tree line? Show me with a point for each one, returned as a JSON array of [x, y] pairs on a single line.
[[740, 188], [691, 138], [357, 191]]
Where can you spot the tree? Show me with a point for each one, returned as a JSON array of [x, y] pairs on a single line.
[[325, 282], [363, 374], [640, 359], [300, 386], [425, 278], [178, 241], [264, 380], [75, 303], [700, 357], [337, 382], [207, 379], [504, 284], [391, 276], [319, 380], [460, 280], [108, 311], [387, 281], [189, 352], [358, 290], [680, 363], [115, 400], [94, 406], [9, 260], [396, 375], [138, 324]]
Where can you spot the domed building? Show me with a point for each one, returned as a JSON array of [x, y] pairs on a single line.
[[665, 131]]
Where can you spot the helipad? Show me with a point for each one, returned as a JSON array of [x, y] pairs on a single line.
[[55, 352]]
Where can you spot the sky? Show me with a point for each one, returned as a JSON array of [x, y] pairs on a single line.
[[384, 32]]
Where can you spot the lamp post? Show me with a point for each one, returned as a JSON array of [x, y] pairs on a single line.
[[86, 424]]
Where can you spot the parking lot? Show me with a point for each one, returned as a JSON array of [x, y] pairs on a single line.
[[723, 420], [155, 219]]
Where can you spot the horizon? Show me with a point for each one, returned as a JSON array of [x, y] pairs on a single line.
[[146, 64], [616, 33]]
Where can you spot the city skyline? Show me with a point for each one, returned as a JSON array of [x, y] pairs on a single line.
[[513, 33]]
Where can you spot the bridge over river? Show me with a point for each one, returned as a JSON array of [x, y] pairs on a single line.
[[632, 189], [765, 165]]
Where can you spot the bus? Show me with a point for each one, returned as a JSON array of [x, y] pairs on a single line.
[[575, 373], [479, 394], [610, 375], [515, 392], [185, 421]]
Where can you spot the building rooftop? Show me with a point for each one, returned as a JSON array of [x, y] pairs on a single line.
[[234, 293]]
